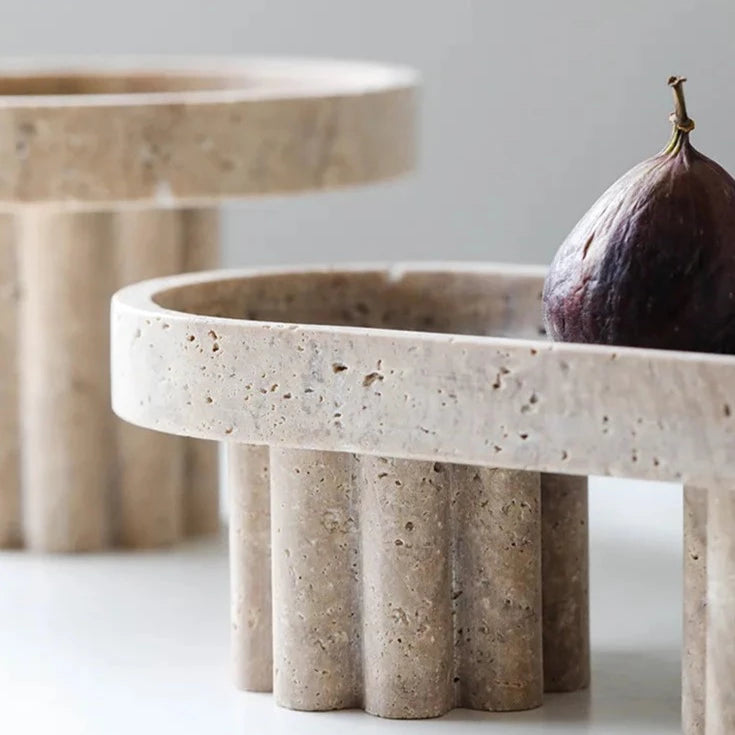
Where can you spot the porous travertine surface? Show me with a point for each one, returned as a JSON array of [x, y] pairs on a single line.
[[200, 230], [388, 363], [316, 607], [694, 645], [68, 435], [10, 508], [105, 136], [516, 403], [720, 652], [497, 579], [405, 588], [566, 604], [151, 472], [89, 480], [250, 566], [191, 134]]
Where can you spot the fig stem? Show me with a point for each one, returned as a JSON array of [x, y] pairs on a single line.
[[679, 117]]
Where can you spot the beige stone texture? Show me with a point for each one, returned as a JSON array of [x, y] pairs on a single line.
[[694, 648], [101, 132], [447, 364], [497, 579], [405, 588], [69, 458], [316, 618], [10, 507], [303, 353], [201, 240], [148, 508], [720, 656], [566, 621], [250, 566], [91, 481], [89, 150]]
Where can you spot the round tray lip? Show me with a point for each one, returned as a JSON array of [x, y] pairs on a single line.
[[350, 77], [140, 297], [566, 434]]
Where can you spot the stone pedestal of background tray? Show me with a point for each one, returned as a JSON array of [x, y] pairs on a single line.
[[108, 174], [386, 429]]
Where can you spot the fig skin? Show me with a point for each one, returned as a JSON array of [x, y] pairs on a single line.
[[652, 263]]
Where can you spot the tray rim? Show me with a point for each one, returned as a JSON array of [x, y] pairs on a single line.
[[710, 459]]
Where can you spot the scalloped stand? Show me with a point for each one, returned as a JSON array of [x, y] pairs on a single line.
[[93, 156], [384, 464], [403, 539]]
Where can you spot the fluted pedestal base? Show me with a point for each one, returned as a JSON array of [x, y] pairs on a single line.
[[404, 587], [72, 477]]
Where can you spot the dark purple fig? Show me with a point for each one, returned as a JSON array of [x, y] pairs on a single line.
[[652, 263]]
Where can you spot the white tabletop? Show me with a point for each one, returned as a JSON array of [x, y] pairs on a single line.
[[114, 644]]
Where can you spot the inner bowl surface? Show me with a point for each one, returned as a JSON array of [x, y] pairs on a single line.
[[453, 301]]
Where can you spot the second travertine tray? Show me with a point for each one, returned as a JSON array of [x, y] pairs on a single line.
[[111, 171], [412, 452]]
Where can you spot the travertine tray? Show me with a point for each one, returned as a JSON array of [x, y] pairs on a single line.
[[412, 452], [108, 172]]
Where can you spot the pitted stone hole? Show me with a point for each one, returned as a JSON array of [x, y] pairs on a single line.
[[208, 399], [370, 378], [726, 410], [190, 338], [338, 367]]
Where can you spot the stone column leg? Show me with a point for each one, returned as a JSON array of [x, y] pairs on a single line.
[[201, 238], [408, 644], [148, 507], [498, 588], [720, 658], [695, 611], [250, 566], [315, 547], [67, 276], [88, 480], [565, 575], [10, 505]]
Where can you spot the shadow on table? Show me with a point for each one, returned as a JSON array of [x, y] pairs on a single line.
[[635, 690]]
